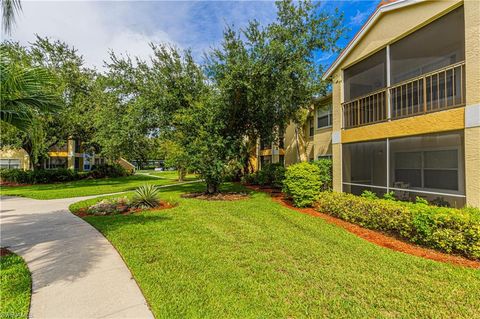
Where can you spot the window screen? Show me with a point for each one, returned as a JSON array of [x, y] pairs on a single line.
[[366, 76]]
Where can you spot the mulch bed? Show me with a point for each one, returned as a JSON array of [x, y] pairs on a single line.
[[373, 236], [4, 252], [219, 196], [83, 212], [10, 184]]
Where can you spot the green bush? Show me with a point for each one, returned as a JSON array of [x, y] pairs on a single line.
[[446, 229], [43, 176], [108, 170], [146, 196], [326, 173], [271, 175], [302, 183], [40, 176], [15, 176]]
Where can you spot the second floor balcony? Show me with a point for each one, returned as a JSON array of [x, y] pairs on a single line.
[[434, 91], [421, 73]]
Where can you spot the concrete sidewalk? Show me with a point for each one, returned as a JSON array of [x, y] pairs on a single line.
[[76, 273]]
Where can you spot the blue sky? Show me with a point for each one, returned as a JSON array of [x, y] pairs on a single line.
[[94, 27]]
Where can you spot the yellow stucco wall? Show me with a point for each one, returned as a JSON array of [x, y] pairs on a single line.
[[472, 166], [19, 154], [472, 69], [448, 120]]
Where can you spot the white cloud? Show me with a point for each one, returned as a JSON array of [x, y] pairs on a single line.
[[359, 18], [92, 28]]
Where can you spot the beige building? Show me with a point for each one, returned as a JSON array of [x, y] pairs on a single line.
[[406, 103], [70, 155], [307, 142]]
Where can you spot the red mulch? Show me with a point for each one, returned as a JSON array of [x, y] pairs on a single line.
[[4, 252], [218, 196], [10, 184], [375, 236], [163, 205]]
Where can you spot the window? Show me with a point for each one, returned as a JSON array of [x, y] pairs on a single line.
[[311, 129], [56, 162], [324, 116], [430, 166], [428, 161], [9, 163], [366, 76], [324, 157]]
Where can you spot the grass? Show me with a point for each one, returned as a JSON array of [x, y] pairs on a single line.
[[254, 258], [168, 174], [15, 283], [85, 187]]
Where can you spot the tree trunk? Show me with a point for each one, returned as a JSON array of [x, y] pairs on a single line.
[[212, 188], [181, 174]]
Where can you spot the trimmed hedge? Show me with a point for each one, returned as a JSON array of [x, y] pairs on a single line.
[[302, 183], [43, 176], [447, 229]]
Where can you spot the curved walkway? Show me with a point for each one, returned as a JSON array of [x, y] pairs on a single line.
[[76, 273]]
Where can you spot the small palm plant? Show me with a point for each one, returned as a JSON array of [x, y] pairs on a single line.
[[146, 196]]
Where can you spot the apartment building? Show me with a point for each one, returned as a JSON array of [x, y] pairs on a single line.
[[406, 103], [307, 142], [68, 155]]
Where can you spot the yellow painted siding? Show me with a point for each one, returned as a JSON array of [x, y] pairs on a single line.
[[472, 166], [58, 154], [19, 154], [472, 51], [472, 69], [448, 120]]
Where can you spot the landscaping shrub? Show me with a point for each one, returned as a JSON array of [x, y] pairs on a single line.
[[271, 175], [326, 173], [15, 176], [40, 176], [108, 170], [448, 229], [146, 196], [302, 183]]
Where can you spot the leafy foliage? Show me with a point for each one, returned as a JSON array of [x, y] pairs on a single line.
[[302, 183], [326, 173], [146, 196], [25, 92], [447, 229], [42, 176]]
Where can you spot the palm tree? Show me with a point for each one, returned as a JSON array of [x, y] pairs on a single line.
[[10, 8], [25, 93]]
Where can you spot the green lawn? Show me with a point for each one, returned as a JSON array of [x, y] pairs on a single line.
[[85, 187], [15, 283], [168, 174], [256, 259]]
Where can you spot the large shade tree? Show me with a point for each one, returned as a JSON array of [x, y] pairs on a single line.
[[267, 75]]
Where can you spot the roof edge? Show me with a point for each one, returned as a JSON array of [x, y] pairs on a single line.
[[381, 9]]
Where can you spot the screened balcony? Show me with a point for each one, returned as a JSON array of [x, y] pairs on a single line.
[[421, 73]]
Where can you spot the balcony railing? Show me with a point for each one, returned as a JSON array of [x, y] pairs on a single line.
[[435, 91], [368, 109]]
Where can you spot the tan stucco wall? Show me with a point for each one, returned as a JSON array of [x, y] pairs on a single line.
[[19, 154], [472, 69], [472, 166], [448, 120]]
